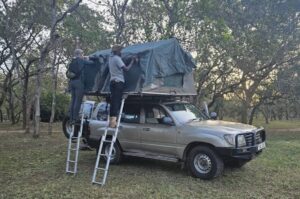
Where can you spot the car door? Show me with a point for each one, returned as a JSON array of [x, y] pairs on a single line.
[[129, 134], [157, 137]]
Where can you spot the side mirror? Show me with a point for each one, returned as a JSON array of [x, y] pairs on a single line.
[[213, 115], [167, 120]]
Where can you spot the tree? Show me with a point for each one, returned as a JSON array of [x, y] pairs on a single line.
[[241, 44], [16, 40], [45, 49]]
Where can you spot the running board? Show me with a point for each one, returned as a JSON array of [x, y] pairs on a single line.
[[152, 156]]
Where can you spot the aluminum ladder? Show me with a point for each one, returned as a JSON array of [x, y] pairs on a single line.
[[73, 151], [103, 168]]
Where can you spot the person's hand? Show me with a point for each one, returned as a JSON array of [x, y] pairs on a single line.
[[135, 58]]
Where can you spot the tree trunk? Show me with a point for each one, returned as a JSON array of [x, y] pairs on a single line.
[[273, 115], [37, 116], [266, 117], [244, 112], [5, 87], [287, 114], [29, 113], [24, 108], [11, 104], [279, 114], [54, 88], [19, 76], [245, 104], [26, 97], [1, 116], [24, 101], [252, 114], [7, 113]]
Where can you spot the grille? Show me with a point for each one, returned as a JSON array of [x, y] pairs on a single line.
[[249, 139], [259, 137]]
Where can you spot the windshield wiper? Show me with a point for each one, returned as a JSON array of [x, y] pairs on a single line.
[[194, 119]]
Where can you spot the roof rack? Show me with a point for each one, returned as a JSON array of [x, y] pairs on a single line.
[[148, 97]]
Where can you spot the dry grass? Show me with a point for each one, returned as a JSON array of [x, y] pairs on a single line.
[[35, 168], [279, 124]]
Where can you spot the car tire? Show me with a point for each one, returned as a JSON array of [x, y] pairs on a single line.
[[116, 153], [236, 163], [203, 162], [66, 126]]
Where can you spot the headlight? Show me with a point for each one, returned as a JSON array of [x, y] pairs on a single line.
[[241, 141], [230, 139]]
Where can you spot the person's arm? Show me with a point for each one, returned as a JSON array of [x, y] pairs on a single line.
[[87, 60], [127, 68]]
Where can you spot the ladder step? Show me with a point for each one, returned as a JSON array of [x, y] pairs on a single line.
[[102, 169], [73, 149], [73, 161], [104, 155], [108, 141], [95, 182], [70, 172]]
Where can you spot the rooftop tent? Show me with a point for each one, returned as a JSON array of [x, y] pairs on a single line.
[[164, 68]]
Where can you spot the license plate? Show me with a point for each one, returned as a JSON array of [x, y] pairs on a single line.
[[261, 146]]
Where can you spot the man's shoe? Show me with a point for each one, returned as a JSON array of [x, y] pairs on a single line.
[[85, 147], [74, 140]]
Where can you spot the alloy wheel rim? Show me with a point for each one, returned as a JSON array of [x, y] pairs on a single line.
[[112, 153]]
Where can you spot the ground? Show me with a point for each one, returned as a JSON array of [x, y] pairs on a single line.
[[35, 168]]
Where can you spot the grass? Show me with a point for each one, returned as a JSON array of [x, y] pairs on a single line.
[[35, 168], [279, 124], [6, 126], [275, 124]]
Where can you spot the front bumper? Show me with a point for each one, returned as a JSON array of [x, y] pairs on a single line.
[[245, 153]]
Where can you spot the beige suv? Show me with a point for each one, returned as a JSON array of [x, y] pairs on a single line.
[[177, 131]]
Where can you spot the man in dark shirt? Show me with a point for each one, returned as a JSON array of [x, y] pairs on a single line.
[[76, 84]]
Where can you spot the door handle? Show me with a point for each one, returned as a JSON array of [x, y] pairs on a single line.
[[146, 129]]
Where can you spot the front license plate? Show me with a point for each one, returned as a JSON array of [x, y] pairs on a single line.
[[261, 146]]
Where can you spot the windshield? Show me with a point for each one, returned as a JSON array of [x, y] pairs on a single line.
[[185, 112]]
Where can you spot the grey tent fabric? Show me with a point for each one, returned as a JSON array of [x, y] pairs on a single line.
[[164, 68]]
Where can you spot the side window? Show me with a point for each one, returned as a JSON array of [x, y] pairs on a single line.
[[154, 114], [103, 109], [131, 114]]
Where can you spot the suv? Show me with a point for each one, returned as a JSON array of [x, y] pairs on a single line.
[[177, 131]]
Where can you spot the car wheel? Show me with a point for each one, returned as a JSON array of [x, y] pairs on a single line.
[[116, 157], [67, 128], [203, 162], [236, 163]]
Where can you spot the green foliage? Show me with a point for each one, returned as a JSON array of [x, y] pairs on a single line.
[[88, 25], [62, 105], [239, 45]]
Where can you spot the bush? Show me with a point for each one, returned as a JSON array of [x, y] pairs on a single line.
[[61, 109]]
